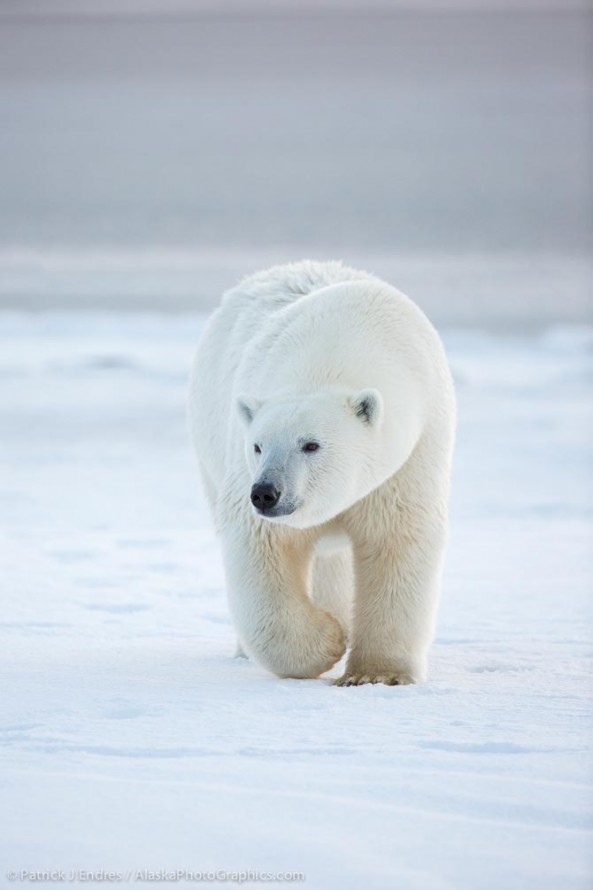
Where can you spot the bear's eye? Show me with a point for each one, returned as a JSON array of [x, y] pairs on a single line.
[[311, 446], [257, 449]]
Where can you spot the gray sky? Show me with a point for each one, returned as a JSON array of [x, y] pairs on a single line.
[[393, 131], [169, 8]]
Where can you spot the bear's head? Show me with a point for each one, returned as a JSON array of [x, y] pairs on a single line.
[[311, 456]]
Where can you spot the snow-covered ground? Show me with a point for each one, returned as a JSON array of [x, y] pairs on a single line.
[[132, 740]]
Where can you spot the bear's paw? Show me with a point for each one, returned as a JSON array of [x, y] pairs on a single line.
[[388, 679]]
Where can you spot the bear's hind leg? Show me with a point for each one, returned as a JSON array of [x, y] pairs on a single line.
[[332, 584]]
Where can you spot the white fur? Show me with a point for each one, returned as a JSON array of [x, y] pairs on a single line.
[[317, 352]]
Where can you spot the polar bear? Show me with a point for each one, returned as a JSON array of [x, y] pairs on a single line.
[[322, 411]]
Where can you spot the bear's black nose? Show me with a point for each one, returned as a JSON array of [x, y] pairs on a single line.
[[264, 496]]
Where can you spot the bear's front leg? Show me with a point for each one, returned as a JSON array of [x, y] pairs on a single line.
[[397, 589], [277, 622]]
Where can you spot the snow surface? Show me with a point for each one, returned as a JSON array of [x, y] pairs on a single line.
[[131, 739]]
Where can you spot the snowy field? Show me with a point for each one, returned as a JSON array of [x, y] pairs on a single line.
[[148, 161], [132, 740]]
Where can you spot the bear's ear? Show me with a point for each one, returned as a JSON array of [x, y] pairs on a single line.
[[248, 408], [368, 405]]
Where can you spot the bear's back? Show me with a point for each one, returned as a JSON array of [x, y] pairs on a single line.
[[261, 339], [245, 312], [275, 287]]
